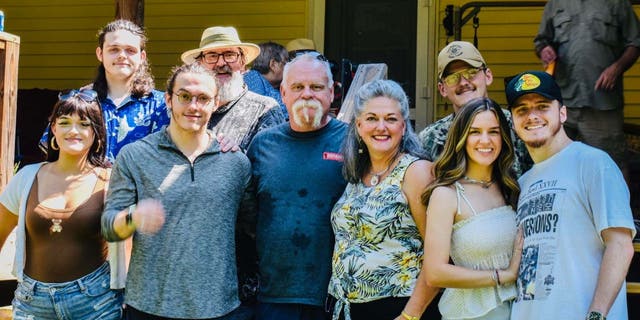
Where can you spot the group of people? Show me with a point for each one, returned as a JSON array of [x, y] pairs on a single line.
[[145, 208]]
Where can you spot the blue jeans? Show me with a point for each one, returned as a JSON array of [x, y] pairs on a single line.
[[86, 298]]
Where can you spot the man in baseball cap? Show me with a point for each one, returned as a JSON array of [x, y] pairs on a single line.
[[462, 76], [532, 82], [574, 211]]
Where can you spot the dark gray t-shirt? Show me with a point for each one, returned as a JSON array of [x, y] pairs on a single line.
[[297, 179]]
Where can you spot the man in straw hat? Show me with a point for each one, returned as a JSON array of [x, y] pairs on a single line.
[[241, 113], [462, 76]]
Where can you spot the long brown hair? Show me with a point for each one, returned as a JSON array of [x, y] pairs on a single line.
[[452, 163]]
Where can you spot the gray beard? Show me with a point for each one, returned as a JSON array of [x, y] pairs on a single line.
[[232, 89]]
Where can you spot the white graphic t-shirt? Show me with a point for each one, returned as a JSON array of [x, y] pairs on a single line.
[[565, 203]]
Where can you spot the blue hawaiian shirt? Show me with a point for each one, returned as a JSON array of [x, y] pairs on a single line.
[[133, 120], [258, 84]]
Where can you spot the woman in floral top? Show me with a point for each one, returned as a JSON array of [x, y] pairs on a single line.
[[379, 222]]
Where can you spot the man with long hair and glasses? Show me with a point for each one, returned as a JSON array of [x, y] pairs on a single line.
[[462, 76], [131, 107], [239, 116], [178, 195]]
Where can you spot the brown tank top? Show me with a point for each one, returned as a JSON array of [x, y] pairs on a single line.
[[71, 247]]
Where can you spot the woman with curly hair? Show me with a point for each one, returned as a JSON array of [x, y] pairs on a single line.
[[379, 222]]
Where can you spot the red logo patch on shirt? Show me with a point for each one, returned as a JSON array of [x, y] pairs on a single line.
[[332, 156]]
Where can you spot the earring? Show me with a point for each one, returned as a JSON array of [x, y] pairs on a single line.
[[53, 144], [360, 151]]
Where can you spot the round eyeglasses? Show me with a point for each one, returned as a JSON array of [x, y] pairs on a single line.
[[187, 98]]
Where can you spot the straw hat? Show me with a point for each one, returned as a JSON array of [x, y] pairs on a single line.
[[300, 44], [221, 37]]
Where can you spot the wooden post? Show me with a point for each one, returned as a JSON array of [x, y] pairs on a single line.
[[132, 10], [9, 53]]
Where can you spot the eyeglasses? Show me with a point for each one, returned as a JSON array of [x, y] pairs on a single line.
[[316, 54], [187, 98], [454, 78], [87, 95], [212, 57]]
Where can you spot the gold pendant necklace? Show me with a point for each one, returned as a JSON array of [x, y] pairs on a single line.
[[56, 227]]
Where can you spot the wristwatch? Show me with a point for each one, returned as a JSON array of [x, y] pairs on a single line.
[[595, 315]]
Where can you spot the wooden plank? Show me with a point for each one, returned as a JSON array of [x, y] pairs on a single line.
[[233, 8], [9, 58], [53, 84], [132, 10]]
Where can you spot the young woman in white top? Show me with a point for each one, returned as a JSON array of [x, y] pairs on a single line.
[[471, 218]]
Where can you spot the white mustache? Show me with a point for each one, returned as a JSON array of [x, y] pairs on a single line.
[[306, 105]]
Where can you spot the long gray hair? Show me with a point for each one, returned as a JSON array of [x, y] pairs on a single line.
[[356, 164]]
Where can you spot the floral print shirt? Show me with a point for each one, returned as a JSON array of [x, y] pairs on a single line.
[[134, 119], [378, 248]]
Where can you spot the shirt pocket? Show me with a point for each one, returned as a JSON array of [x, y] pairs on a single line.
[[604, 28], [562, 27]]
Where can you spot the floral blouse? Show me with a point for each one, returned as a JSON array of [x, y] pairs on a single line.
[[378, 248]]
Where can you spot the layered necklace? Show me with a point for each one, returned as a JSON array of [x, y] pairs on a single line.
[[485, 184]]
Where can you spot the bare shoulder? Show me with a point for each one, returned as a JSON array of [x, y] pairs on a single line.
[[442, 203], [420, 170], [443, 193]]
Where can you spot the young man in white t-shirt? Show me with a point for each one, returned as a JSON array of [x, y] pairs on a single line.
[[574, 211]]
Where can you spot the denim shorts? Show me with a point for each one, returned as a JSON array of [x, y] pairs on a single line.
[[86, 298]]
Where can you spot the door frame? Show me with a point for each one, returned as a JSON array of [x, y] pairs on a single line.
[[426, 50]]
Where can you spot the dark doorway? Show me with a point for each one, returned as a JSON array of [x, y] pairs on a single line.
[[375, 31]]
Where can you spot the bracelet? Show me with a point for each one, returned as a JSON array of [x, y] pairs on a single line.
[[129, 217], [498, 277], [408, 317]]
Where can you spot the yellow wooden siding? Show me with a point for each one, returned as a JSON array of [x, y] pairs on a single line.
[[175, 27], [58, 39], [505, 38]]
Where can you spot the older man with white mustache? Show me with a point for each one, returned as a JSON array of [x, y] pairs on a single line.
[[296, 181]]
